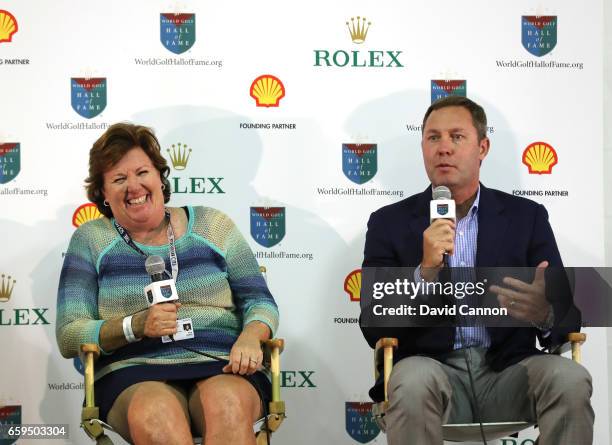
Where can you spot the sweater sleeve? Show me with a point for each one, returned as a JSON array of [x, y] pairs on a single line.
[[77, 299], [250, 291]]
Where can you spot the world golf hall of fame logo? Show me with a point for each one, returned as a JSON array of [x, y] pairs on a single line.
[[360, 423], [10, 161], [88, 95], [441, 88], [539, 33], [359, 162], [177, 31], [9, 415], [268, 225]]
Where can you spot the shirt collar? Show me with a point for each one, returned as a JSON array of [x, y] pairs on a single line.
[[474, 209]]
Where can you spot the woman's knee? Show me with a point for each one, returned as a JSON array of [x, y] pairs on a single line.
[[154, 413], [228, 400]]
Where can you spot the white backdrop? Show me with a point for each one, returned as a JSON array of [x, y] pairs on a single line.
[[202, 99]]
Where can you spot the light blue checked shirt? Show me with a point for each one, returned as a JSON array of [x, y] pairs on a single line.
[[466, 236]]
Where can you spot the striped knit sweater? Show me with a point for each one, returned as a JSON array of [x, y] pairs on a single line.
[[219, 285]]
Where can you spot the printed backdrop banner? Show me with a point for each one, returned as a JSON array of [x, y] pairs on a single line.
[[298, 122]]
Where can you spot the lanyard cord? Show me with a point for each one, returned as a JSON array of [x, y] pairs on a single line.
[[125, 235]]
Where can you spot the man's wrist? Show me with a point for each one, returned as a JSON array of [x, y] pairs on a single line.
[[548, 322], [429, 274]]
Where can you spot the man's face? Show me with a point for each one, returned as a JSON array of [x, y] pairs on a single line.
[[451, 150]]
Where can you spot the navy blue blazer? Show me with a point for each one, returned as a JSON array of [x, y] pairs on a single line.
[[512, 232]]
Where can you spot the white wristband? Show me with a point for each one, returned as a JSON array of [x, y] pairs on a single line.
[[127, 330]]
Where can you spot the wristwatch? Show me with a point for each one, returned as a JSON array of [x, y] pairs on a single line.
[[547, 324]]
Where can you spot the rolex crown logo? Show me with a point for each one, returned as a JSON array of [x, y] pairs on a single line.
[[6, 288], [179, 156], [358, 29]]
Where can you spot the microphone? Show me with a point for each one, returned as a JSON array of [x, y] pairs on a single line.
[[156, 267], [163, 291], [442, 206], [160, 290]]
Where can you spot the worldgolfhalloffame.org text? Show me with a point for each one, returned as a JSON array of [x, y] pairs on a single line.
[[21, 192], [352, 191], [538, 64], [283, 255], [169, 61]]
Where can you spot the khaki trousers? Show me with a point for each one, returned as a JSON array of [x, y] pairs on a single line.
[[425, 393]]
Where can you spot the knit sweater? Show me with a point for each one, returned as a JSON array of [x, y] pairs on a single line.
[[219, 285]]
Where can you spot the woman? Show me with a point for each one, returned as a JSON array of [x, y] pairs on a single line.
[[149, 391]]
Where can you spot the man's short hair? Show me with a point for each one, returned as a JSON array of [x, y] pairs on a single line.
[[479, 117]]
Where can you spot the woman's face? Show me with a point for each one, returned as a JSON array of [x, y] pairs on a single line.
[[133, 190]]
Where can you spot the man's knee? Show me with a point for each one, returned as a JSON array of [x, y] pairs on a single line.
[[566, 382], [416, 379], [573, 381]]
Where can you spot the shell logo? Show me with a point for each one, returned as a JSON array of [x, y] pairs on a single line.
[[8, 26], [267, 90], [86, 212], [352, 284], [540, 158]]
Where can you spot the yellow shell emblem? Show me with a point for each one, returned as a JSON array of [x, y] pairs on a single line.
[[86, 212], [8, 26], [352, 284], [540, 157], [267, 90]]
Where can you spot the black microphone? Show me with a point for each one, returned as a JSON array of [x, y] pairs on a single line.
[[442, 206]]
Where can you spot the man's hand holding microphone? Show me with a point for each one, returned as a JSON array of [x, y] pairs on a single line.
[[439, 237]]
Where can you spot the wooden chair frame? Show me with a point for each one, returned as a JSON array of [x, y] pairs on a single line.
[[94, 427]]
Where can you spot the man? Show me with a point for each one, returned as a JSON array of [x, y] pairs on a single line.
[[513, 380]]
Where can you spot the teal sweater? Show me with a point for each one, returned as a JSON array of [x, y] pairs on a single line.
[[219, 285]]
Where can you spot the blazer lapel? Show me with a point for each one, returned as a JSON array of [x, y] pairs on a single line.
[[492, 226]]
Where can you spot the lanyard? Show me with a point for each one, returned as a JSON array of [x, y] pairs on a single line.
[[171, 246]]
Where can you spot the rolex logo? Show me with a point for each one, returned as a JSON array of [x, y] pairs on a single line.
[[6, 288], [179, 156], [358, 29]]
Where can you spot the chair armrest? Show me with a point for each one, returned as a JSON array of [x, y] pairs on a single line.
[[384, 351], [574, 342], [90, 413], [89, 354], [272, 349]]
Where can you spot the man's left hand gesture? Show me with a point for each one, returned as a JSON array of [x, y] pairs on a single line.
[[525, 301]]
